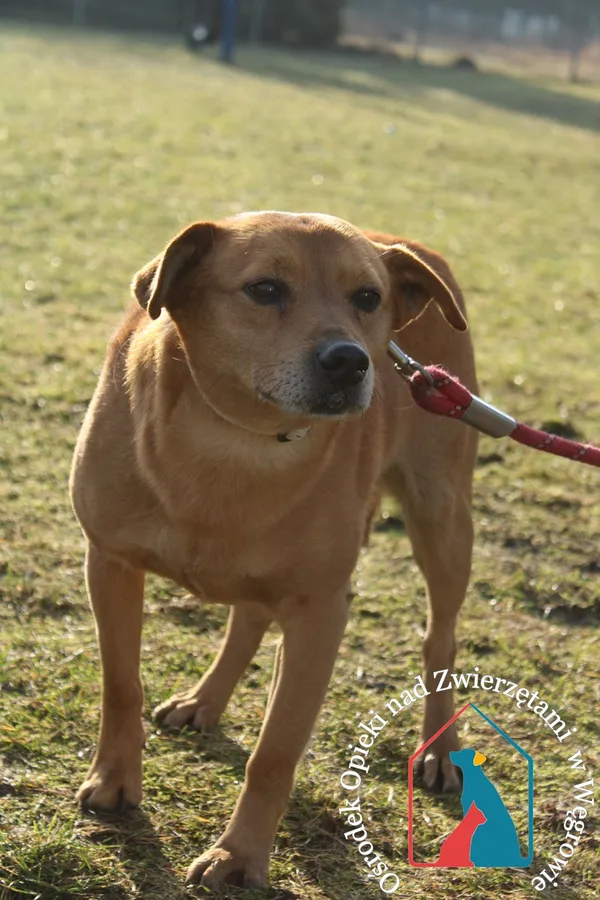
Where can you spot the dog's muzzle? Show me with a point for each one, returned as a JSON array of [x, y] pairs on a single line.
[[342, 364], [340, 371]]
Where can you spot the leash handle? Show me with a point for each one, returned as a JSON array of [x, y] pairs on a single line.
[[435, 390]]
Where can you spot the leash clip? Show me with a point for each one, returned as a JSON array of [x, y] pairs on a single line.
[[477, 413], [405, 365]]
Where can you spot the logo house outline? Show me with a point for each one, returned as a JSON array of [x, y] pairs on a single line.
[[523, 861]]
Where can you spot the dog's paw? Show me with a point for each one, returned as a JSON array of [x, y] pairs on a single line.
[[111, 787], [437, 772], [220, 866], [188, 709], [435, 769]]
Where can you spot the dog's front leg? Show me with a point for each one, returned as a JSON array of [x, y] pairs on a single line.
[[116, 595], [312, 631]]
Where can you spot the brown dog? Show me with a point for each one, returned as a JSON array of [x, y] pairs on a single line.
[[246, 421]]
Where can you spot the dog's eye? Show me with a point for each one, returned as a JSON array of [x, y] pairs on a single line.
[[367, 299], [269, 293]]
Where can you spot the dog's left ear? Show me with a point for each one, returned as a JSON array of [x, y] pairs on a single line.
[[416, 280], [153, 286]]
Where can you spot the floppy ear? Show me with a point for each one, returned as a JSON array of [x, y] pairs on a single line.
[[418, 276], [153, 284]]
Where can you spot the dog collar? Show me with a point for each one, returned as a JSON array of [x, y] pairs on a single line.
[[293, 435]]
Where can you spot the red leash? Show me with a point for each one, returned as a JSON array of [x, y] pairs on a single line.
[[434, 389]]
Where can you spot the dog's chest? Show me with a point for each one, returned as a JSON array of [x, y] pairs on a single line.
[[243, 558], [231, 532], [228, 570]]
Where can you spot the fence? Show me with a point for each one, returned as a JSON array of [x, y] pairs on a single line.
[[551, 23], [565, 27]]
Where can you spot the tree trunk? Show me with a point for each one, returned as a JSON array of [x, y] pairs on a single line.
[[575, 60], [580, 25], [79, 13], [421, 30], [256, 21]]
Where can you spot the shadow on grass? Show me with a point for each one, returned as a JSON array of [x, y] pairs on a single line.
[[141, 854], [140, 851], [370, 74], [316, 836], [395, 77], [310, 831]]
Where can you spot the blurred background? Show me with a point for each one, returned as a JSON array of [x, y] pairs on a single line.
[[548, 35]]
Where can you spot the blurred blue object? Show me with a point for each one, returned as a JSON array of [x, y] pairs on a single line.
[[229, 29]]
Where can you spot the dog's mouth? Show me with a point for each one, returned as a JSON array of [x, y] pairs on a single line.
[[349, 401], [353, 400], [330, 386]]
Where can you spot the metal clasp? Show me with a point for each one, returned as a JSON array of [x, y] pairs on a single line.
[[405, 365], [479, 415]]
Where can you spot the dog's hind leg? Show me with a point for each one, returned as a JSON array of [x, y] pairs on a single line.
[[436, 501], [204, 704]]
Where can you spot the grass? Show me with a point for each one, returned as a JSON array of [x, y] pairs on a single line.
[[109, 145]]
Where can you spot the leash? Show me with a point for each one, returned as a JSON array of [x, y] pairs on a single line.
[[434, 389]]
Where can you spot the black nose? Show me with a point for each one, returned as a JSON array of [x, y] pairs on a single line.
[[343, 362]]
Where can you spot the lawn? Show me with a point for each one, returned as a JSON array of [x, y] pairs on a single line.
[[109, 146]]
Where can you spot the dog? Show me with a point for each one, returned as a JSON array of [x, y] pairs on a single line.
[[246, 422]]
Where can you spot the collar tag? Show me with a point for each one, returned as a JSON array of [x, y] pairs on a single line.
[[293, 435]]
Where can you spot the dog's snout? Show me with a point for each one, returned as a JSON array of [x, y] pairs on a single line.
[[344, 362]]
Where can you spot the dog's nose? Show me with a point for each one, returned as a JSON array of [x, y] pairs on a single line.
[[344, 362]]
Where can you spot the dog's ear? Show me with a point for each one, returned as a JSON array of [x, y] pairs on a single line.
[[153, 284], [419, 275]]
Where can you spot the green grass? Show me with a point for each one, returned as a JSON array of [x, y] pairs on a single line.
[[108, 147]]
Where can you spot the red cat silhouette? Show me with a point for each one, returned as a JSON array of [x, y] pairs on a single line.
[[455, 852]]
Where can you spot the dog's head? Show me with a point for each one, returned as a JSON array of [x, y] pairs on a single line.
[[288, 312]]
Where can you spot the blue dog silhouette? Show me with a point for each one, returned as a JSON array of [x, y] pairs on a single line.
[[495, 841]]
